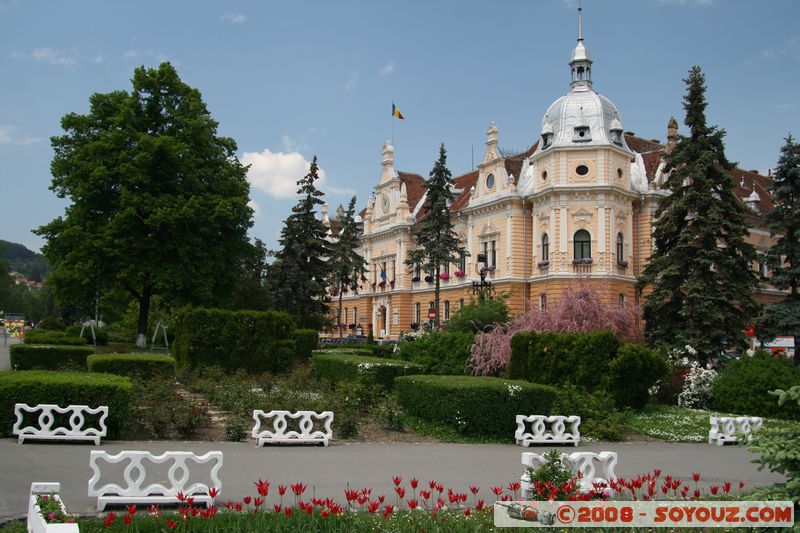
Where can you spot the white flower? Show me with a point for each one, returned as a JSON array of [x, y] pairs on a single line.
[[513, 389]]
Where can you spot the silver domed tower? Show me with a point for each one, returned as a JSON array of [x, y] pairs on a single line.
[[581, 118]]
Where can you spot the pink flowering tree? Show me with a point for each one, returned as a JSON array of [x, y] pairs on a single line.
[[580, 310]]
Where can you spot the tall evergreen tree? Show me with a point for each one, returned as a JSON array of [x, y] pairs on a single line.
[[298, 278], [437, 244], [783, 318], [347, 265], [700, 275]]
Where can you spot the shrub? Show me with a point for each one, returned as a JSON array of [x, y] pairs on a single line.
[[100, 334], [252, 340], [438, 352], [521, 345], [52, 323], [697, 391], [341, 367], [600, 419], [163, 413], [742, 386], [632, 373], [305, 342], [47, 336], [40, 357], [383, 350], [133, 365], [479, 316], [473, 405], [65, 388]]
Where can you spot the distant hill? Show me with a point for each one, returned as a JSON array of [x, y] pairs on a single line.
[[27, 262]]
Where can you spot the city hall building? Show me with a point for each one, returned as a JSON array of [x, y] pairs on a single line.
[[579, 203]]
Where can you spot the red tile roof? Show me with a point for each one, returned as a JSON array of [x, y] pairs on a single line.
[[414, 189]]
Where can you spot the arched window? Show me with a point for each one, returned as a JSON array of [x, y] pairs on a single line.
[[583, 244], [620, 247], [545, 247]]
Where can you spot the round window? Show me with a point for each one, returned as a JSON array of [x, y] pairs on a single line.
[[490, 181], [619, 173], [582, 170], [544, 175]]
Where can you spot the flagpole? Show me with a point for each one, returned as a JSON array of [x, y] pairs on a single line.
[[392, 130]]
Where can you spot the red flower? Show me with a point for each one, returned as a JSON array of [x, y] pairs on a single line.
[[195, 510], [685, 491], [127, 518], [431, 485], [154, 509], [298, 488], [351, 495], [412, 504], [262, 487], [247, 500], [288, 512], [397, 480], [190, 500], [425, 494], [373, 506], [474, 490], [281, 489], [110, 517], [515, 486], [657, 472], [131, 508], [381, 498], [172, 524], [362, 499], [439, 488], [480, 505], [696, 494], [238, 507], [213, 491], [414, 483], [498, 490], [277, 508], [714, 490], [467, 511], [400, 491], [181, 497], [741, 485], [324, 513], [258, 501], [696, 476]]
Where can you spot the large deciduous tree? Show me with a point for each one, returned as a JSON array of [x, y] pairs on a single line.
[[783, 318], [700, 274], [346, 264], [298, 278], [437, 244], [158, 199]]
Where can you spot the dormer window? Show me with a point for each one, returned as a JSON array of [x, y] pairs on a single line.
[[616, 137], [581, 134], [547, 138]]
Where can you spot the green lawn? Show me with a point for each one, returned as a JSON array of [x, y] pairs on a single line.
[[679, 424]]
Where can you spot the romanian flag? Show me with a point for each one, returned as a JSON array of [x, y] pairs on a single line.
[[396, 112]]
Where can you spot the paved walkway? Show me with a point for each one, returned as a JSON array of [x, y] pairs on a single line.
[[328, 470], [4, 344]]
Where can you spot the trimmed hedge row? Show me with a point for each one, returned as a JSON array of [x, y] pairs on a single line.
[[742, 386], [100, 334], [338, 367], [132, 365], [473, 405], [47, 336], [439, 352], [65, 388], [305, 342], [375, 350], [256, 341], [40, 357]]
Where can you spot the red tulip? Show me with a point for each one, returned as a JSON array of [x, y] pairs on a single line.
[[498, 490], [439, 488], [431, 485], [298, 488], [154, 509], [110, 517], [397, 480], [238, 507], [362, 499], [324, 513], [480, 505], [131, 508], [714, 490], [412, 504], [247, 500], [425, 494], [127, 518], [400, 491], [373, 506], [262, 487], [467, 511], [414, 483], [281, 489], [474, 490], [288, 512], [190, 500], [696, 476], [696, 494], [195, 510], [172, 524], [741, 485], [381, 498], [657, 472], [181, 497], [351, 495], [258, 501], [213, 491]]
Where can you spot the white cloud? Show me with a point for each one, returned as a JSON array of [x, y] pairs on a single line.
[[352, 82], [684, 2], [255, 207], [388, 68], [50, 56], [130, 54], [276, 173], [7, 137], [234, 18]]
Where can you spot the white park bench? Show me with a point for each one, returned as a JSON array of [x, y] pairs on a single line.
[[134, 474], [36, 522], [45, 430], [277, 425], [547, 430], [726, 428], [578, 462]]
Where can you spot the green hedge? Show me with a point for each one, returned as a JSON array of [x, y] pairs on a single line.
[[305, 342], [632, 373], [100, 334], [473, 405], [338, 367], [65, 388], [40, 357], [256, 341], [438, 352], [742, 385], [557, 358], [132, 365], [47, 336]]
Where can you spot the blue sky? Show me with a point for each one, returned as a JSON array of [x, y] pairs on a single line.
[[288, 80]]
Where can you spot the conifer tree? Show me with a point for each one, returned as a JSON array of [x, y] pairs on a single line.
[[700, 275], [346, 264], [298, 278], [783, 318], [437, 244]]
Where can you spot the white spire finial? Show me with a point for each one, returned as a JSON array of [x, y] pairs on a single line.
[[580, 20]]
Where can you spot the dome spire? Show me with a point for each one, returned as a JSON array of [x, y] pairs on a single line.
[[581, 62]]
